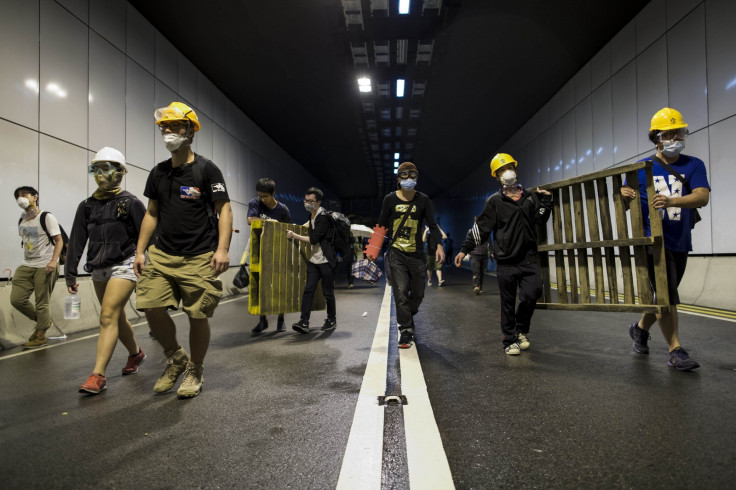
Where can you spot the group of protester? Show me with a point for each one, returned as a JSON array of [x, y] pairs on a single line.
[[172, 251]]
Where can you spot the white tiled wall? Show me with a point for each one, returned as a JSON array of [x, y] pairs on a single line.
[[676, 53], [78, 75]]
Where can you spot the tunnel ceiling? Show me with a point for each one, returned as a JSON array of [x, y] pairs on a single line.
[[475, 71]]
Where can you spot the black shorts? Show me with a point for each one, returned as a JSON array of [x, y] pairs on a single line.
[[675, 262]]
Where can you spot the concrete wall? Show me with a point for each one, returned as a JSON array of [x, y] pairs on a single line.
[[16, 328]]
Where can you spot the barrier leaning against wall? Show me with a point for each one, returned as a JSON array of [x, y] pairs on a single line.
[[583, 227], [278, 270]]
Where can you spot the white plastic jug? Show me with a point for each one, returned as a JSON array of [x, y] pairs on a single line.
[[72, 305]]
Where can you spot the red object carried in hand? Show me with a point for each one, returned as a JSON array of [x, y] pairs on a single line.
[[375, 242]]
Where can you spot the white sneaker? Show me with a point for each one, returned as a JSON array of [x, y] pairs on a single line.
[[513, 350], [523, 342]]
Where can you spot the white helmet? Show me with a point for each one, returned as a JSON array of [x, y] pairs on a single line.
[[108, 154]]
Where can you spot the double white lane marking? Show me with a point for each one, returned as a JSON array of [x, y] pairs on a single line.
[[426, 459]]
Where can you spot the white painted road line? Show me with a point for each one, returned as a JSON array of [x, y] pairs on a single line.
[[361, 465], [425, 454]]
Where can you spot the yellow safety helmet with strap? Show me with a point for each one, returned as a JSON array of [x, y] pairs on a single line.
[[176, 111], [499, 161], [667, 119]]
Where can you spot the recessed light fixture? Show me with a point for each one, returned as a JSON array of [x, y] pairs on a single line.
[[396, 156], [364, 84], [403, 6], [400, 87], [396, 164]]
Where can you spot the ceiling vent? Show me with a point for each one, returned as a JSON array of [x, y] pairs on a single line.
[[402, 47], [424, 52], [418, 89], [381, 53], [360, 54], [433, 5], [386, 114], [383, 89], [353, 13], [414, 113]]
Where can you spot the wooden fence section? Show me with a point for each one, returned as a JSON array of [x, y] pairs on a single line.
[[584, 246], [278, 270]]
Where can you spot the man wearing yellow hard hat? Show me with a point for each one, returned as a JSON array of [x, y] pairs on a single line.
[[682, 186], [511, 215], [187, 195]]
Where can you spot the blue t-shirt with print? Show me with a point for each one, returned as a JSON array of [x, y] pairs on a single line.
[[677, 222], [256, 209]]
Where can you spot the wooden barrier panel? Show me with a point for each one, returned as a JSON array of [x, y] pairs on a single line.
[[278, 270], [583, 234]]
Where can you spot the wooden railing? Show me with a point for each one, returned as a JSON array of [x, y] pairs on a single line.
[[583, 204], [278, 270]]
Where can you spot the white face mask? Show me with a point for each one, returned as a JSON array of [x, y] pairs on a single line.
[[174, 141], [23, 202], [408, 184], [508, 177], [310, 206], [671, 149]]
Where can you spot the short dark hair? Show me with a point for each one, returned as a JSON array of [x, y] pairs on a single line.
[[654, 136], [266, 185], [317, 193], [26, 190]]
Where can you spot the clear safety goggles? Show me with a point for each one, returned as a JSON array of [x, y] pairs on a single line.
[[98, 168], [408, 174], [679, 134]]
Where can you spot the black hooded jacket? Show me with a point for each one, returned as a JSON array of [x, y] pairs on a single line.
[[513, 225], [111, 226]]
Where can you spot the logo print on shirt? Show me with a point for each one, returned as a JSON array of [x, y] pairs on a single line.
[[218, 187], [190, 192], [674, 189]]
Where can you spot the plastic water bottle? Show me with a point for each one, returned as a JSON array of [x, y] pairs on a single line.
[[72, 305]]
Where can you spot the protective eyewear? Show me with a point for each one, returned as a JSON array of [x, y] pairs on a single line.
[[173, 127], [102, 167], [408, 174], [679, 134]]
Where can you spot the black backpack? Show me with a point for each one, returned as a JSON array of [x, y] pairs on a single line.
[[341, 232], [64, 236]]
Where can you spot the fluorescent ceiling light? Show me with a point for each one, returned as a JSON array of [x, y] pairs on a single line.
[[400, 87], [396, 156], [403, 6], [396, 164], [396, 171], [364, 84]]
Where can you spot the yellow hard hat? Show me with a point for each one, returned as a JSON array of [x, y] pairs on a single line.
[[500, 160], [667, 119], [176, 111]]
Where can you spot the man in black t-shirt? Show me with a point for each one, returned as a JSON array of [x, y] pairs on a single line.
[[406, 252], [266, 207], [186, 195]]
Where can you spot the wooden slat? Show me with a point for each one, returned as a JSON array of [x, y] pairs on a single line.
[[592, 215], [559, 254], [572, 271], [658, 254], [601, 174], [640, 253], [623, 231], [603, 307], [582, 253], [641, 241], [607, 232]]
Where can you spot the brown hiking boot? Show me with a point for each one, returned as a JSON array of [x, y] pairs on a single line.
[[193, 380], [37, 339], [175, 365]]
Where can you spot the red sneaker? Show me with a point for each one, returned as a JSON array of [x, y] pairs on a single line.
[[133, 362], [94, 384]]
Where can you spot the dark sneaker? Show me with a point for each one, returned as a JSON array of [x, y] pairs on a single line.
[[301, 326], [175, 365], [133, 362], [681, 360], [640, 338], [281, 325], [37, 339], [262, 325], [94, 384], [329, 324], [441, 283], [191, 386], [405, 339]]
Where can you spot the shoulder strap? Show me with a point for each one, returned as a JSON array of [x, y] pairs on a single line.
[[671, 170], [403, 220], [42, 219], [197, 172]]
